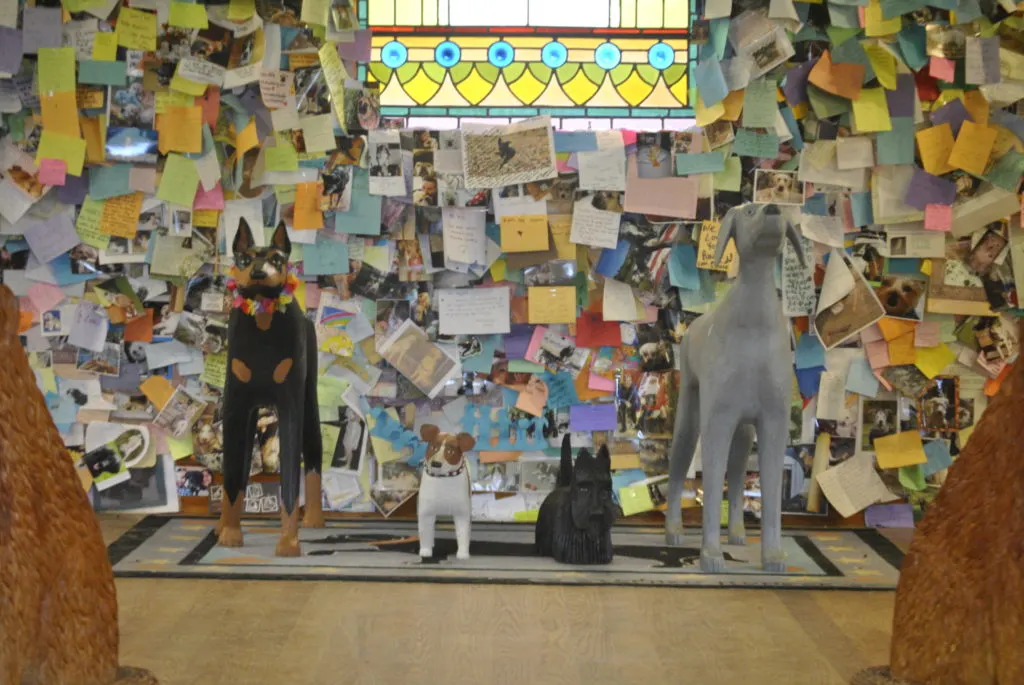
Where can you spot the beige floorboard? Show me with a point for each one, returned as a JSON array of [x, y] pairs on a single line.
[[207, 632]]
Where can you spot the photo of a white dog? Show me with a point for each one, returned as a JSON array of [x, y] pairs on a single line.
[[777, 187]]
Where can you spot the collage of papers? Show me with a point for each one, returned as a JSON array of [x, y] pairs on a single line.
[[509, 280]]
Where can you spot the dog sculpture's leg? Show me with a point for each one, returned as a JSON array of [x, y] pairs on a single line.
[[737, 471], [425, 523], [684, 442], [312, 443], [239, 437], [289, 431], [772, 431], [717, 431], [462, 529]]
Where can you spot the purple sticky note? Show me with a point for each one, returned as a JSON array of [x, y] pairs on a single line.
[[953, 113], [10, 50], [592, 417], [889, 516], [359, 49], [517, 341], [795, 86], [75, 189], [41, 29], [925, 189], [901, 100]]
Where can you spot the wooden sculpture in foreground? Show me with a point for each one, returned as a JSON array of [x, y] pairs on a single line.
[[58, 608], [959, 616]]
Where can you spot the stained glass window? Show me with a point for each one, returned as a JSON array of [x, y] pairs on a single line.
[[594, 60]]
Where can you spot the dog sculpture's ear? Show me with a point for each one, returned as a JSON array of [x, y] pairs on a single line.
[[429, 432], [794, 240], [280, 239], [243, 237], [465, 441], [604, 460], [565, 464], [725, 233]]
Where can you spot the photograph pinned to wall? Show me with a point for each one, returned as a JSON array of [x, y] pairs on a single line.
[[336, 185], [562, 272], [847, 304], [105, 363], [495, 156], [180, 412], [362, 108], [797, 483], [385, 160], [556, 352], [719, 134], [259, 498], [448, 158], [193, 481], [653, 155], [903, 296], [989, 251], [495, 476], [538, 474], [774, 186], [351, 446], [388, 501], [397, 475], [646, 403], [906, 379], [939, 405], [945, 41], [410, 351], [390, 315], [131, 111], [997, 342], [879, 419], [108, 464], [868, 254]]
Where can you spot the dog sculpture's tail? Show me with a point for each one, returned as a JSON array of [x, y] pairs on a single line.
[[565, 467]]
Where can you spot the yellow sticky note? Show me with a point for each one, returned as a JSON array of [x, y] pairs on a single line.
[[524, 233], [733, 104], [104, 47], [334, 74], [875, 24], [187, 86], [926, 267], [498, 270], [883, 64], [56, 70], [978, 106], [240, 10], [307, 214], [902, 350], [136, 29], [561, 227], [247, 138], [157, 390], [188, 15], [972, 148], [281, 157], [871, 111], [932, 360], [902, 449], [121, 215], [551, 304], [59, 146], [635, 499], [895, 328], [706, 115], [179, 181], [60, 113], [215, 371], [318, 132], [934, 144], [206, 218], [171, 98], [181, 448], [528, 516], [315, 12], [708, 244], [181, 130], [95, 131]]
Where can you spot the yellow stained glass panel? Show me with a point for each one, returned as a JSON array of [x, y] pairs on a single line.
[[648, 14], [634, 90], [677, 14], [381, 12], [628, 15], [501, 96], [421, 88], [474, 87], [528, 87], [408, 12], [579, 88]]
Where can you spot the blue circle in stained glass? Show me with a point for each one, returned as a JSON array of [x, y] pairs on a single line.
[[607, 56], [661, 56], [554, 54], [447, 54], [394, 54], [501, 54]]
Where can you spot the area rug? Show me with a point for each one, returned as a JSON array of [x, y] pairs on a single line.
[[375, 550]]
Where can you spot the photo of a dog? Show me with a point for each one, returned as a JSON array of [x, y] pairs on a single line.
[[902, 297], [939, 406], [777, 187], [878, 420]]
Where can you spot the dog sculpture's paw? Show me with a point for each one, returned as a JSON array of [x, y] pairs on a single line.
[[426, 552], [739, 539], [314, 519], [774, 562], [462, 556], [712, 563], [674, 535], [230, 537], [288, 548]]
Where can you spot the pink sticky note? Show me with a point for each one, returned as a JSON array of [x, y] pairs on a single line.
[[878, 354], [600, 383], [942, 69], [629, 137], [938, 217], [871, 334], [312, 296], [209, 199], [45, 296], [927, 334], [53, 172]]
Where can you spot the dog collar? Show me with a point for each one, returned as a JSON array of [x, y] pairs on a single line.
[[263, 305], [456, 472]]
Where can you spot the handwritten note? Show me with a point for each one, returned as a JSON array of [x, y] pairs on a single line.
[[853, 485], [972, 148], [707, 246], [463, 231], [594, 227], [551, 305], [604, 168], [474, 311], [524, 233], [275, 87], [797, 281], [136, 29], [121, 215]]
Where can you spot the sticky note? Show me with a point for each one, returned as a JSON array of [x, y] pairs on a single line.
[[104, 47], [861, 379], [188, 15], [179, 182], [239, 10], [901, 449], [281, 157], [60, 113], [181, 130], [121, 215], [871, 111], [875, 23], [942, 69], [938, 217], [883, 64], [842, 79], [56, 70], [157, 390], [307, 214], [59, 146], [932, 360], [551, 305], [937, 453], [53, 172], [700, 163], [635, 499], [972, 148], [524, 233], [902, 350], [96, 72], [935, 145], [136, 29], [187, 86], [759, 107]]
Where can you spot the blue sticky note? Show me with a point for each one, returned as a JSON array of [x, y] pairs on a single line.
[[906, 266], [704, 295], [809, 352], [809, 380], [610, 261], [363, 218], [860, 379], [749, 143], [896, 146], [561, 390], [592, 417], [327, 257], [111, 181], [863, 215], [937, 452], [711, 83], [63, 409], [797, 140], [700, 163], [682, 267], [61, 269], [1014, 122], [815, 205], [510, 397], [575, 141], [718, 37], [967, 11], [102, 73], [484, 360], [912, 43]]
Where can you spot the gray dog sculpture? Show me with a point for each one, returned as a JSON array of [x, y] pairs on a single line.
[[737, 376]]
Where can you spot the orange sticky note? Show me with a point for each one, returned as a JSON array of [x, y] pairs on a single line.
[[934, 145], [902, 350], [524, 233], [733, 105], [843, 79], [140, 329], [894, 328], [121, 215], [95, 133], [978, 106], [181, 130], [157, 390], [551, 304], [60, 113], [307, 207], [972, 148]]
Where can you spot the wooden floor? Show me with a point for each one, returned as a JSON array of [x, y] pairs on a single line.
[[207, 632]]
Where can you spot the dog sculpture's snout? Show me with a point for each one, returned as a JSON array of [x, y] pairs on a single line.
[[772, 210], [258, 274]]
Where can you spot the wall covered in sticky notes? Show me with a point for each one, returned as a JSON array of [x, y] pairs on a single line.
[[542, 278]]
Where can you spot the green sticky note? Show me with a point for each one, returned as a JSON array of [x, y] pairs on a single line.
[[329, 437], [635, 499], [825, 105], [188, 15], [329, 390], [912, 478], [526, 516], [281, 157], [180, 447], [180, 181], [731, 175], [523, 366], [752, 144], [101, 73], [1007, 171], [759, 108], [896, 146], [699, 163], [56, 70]]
